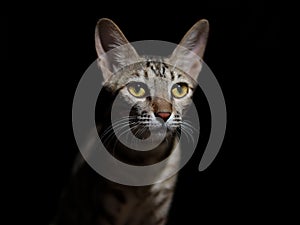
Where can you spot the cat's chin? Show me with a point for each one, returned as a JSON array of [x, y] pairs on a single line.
[[154, 133], [160, 132]]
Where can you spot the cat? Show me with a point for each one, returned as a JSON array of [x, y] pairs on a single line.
[[158, 91]]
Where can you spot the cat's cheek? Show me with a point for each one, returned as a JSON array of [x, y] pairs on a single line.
[[184, 102]]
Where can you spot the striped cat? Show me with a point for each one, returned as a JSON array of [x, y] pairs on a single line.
[[158, 93]]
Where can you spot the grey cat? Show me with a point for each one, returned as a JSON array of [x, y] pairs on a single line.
[[158, 91]]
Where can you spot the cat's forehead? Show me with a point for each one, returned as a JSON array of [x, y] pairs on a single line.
[[161, 70], [157, 69], [156, 72]]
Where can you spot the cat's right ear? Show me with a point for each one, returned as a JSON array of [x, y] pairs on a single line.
[[113, 49], [188, 55]]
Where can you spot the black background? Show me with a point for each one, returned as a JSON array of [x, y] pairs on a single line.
[[56, 46]]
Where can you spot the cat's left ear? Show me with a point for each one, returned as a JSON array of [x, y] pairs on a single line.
[[113, 49], [187, 56]]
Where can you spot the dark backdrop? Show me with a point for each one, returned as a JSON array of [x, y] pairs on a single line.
[[240, 186]]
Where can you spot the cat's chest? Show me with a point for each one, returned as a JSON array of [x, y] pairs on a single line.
[[147, 202]]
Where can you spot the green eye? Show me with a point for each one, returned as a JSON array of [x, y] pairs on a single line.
[[179, 90], [137, 89]]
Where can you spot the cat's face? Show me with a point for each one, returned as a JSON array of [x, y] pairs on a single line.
[[157, 92]]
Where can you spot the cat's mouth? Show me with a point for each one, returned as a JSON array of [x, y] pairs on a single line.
[[152, 125], [144, 129]]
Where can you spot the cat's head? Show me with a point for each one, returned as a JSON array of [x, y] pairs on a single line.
[[158, 90]]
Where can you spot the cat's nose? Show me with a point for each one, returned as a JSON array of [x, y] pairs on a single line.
[[164, 115]]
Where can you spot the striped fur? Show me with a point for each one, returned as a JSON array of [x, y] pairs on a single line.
[[93, 200]]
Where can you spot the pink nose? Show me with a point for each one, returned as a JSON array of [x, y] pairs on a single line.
[[164, 115]]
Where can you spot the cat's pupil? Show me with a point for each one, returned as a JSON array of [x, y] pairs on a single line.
[[137, 87], [179, 88]]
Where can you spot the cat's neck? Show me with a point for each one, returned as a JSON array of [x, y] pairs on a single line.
[[142, 158]]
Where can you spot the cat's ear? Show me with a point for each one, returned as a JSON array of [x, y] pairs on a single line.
[[113, 49], [188, 54]]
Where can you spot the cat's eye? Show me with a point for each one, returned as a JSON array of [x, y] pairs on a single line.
[[137, 89], [179, 90]]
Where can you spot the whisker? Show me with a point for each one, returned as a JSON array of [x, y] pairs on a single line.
[[114, 132], [187, 134], [140, 131], [118, 134], [113, 127], [188, 129], [117, 123], [189, 124], [123, 119]]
